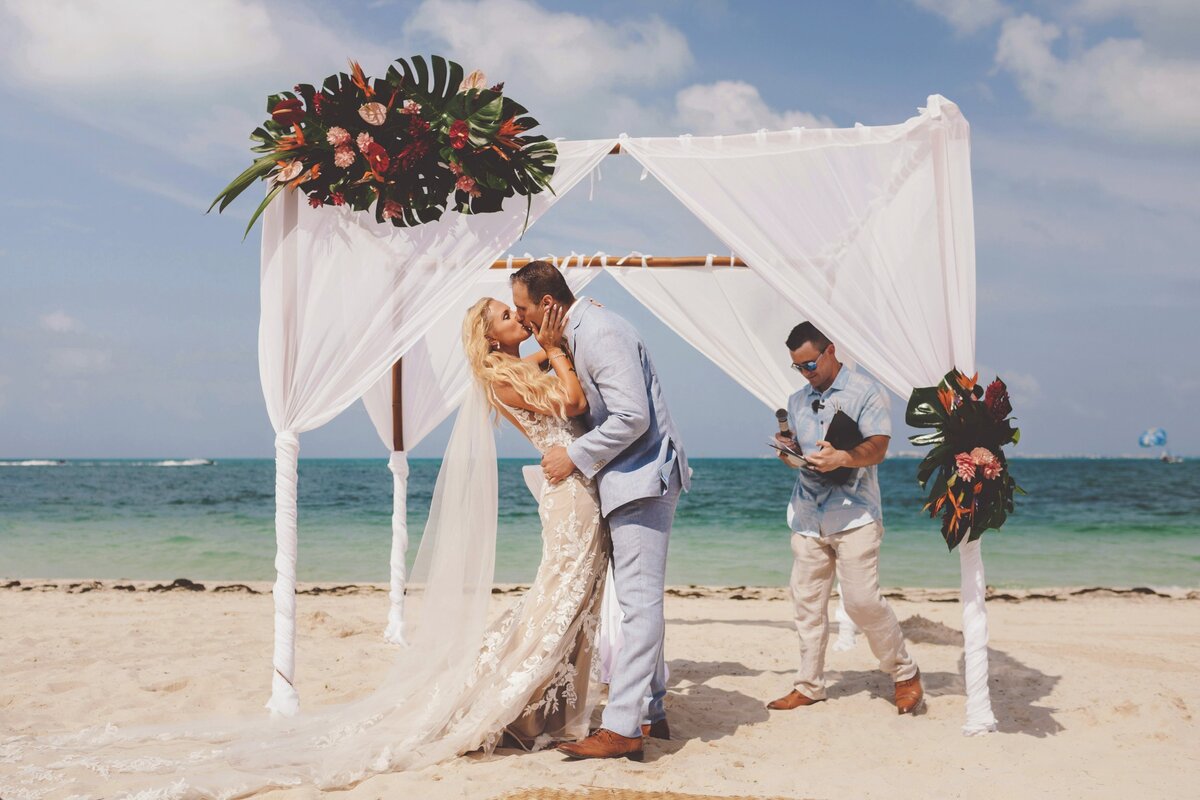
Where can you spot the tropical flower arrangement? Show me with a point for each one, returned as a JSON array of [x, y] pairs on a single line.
[[406, 146], [973, 490]]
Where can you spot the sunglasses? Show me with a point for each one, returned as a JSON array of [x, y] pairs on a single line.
[[806, 366]]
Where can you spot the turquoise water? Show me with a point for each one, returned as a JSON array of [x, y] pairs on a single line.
[[1086, 522]]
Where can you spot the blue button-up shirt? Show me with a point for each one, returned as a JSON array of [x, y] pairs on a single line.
[[819, 508]]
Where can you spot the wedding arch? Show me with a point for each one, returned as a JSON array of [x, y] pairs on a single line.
[[867, 231]]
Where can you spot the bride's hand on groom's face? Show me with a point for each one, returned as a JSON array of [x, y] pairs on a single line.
[[554, 322]]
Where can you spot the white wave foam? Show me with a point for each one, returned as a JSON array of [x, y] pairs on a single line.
[[187, 462], [34, 462]]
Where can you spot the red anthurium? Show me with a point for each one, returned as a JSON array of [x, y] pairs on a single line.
[[288, 112], [378, 158]]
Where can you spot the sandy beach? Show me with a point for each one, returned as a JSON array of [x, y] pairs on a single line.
[[1096, 690]]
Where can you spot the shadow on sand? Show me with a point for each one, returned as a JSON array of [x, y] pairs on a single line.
[[1015, 687]]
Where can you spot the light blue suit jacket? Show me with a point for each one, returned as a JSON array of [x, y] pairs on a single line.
[[633, 445]]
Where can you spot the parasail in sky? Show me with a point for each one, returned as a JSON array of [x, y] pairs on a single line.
[[1155, 437]]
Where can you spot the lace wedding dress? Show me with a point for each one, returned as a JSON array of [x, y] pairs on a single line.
[[529, 672]]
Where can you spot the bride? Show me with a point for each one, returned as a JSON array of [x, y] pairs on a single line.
[[463, 685]]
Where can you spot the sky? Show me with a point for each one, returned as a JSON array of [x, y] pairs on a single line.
[[128, 317]]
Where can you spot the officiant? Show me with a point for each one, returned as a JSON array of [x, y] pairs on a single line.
[[841, 425]]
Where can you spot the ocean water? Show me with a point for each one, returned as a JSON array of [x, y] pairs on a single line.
[[1087, 522]]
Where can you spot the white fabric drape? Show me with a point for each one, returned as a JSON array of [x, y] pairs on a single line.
[[868, 231], [343, 298], [434, 380], [731, 315]]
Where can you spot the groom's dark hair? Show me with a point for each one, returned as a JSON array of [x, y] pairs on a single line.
[[807, 332], [542, 278]]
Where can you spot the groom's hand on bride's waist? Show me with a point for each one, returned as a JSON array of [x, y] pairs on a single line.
[[557, 465]]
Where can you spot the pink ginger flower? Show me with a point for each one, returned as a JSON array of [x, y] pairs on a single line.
[[410, 107], [467, 184], [982, 456], [392, 209], [992, 470], [455, 167], [363, 141], [343, 157], [965, 466], [338, 136]]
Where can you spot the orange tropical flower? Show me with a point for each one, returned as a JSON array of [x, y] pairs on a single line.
[[510, 129], [306, 177], [290, 142], [947, 398], [968, 384], [359, 79]]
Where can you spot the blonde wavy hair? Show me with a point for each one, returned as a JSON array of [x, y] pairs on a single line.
[[491, 367]]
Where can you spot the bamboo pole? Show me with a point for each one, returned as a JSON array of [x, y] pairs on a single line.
[[630, 261], [397, 406]]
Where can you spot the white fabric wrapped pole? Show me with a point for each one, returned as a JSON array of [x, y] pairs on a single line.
[[285, 701], [980, 718], [398, 464]]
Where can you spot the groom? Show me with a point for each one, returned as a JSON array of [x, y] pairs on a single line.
[[633, 452]]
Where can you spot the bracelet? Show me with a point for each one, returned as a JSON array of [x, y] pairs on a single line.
[[558, 355]]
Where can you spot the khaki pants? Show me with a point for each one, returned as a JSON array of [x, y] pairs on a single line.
[[854, 554]]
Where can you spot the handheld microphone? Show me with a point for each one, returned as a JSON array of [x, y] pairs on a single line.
[[781, 416]]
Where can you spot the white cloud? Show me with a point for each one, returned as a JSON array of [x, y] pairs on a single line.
[[188, 78], [728, 107], [1167, 25], [1117, 87], [966, 16], [105, 42], [59, 322], [563, 54]]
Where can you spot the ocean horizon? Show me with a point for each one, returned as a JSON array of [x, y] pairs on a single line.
[[1088, 521]]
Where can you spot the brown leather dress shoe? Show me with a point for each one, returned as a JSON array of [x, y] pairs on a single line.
[[792, 699], [910, 695], [657, 730], [604, 744]]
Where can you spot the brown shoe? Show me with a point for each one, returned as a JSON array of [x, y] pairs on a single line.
[[657, 730], [604, 744], [910, 695], [792, 699]]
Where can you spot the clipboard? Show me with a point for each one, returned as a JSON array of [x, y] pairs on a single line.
[[788, 451]]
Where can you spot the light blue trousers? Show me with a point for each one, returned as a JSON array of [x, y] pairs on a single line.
[[640, 532]]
